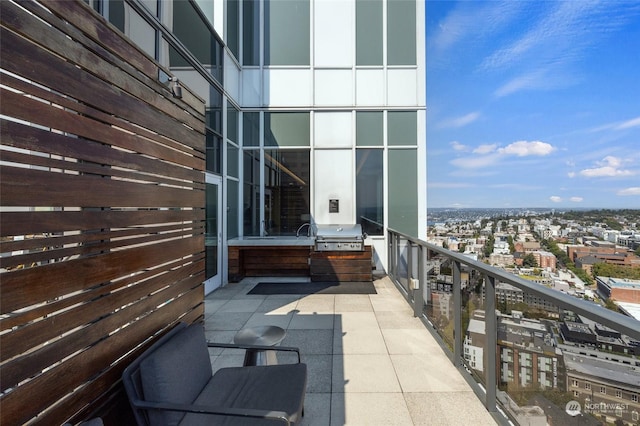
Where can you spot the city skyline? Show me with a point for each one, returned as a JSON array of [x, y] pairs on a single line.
[[533, 104]]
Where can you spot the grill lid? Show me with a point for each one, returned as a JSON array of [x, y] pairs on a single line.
[[339, 232]]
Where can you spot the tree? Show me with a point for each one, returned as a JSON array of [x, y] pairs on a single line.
[[617, 271], [529, 260], [610, 304]]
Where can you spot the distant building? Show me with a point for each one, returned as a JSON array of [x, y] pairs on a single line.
[[526, 353], [501, 259], [545, 259], [511, 295], [586, 263], [527, 246], [475, 341], [603, 252], [576, 251], [619, 289], [582, 332], [607, 389]]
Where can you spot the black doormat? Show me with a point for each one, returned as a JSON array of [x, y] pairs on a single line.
[[343, 287]]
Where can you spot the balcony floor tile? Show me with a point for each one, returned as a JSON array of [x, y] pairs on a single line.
[[370, 362]]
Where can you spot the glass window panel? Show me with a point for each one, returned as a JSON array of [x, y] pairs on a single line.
[[403, 128], [403, 191], [176, 59], [214, 152], [232, 160], [401, 32], [250, 128], [152, 5], [286, 129], [195, 33], [370, 191], [189, 27], [116, 13], [369, 128], [286, 204], [214, 110], [251, 32], [368, 32], [251, 195], [233, 27], [232, 209], [232, 123], [286, 27]]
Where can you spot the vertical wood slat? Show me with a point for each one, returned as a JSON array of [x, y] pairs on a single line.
[[102, 232]]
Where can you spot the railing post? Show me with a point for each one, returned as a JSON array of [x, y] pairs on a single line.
[[409, 268], [457, 313], [491, 333], [393, 253], [425, 288], [421, 279]]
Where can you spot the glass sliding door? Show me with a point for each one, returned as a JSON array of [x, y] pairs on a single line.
[[213, 233]]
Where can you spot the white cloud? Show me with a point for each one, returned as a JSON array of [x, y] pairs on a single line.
[[525, 148], [450, 185], [485, 149], [530, 80], [576, 199], [476, 162], [488, 155], [457, 146], [618, 125], [634, 190], [461, 121], [608, 167], [634, 122], [571, 174], [555, 199], [471, 20]]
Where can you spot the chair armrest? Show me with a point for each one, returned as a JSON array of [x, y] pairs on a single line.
[[213, 410], [258, 347]]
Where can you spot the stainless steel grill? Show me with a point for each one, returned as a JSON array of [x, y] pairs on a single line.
[[339, 238]]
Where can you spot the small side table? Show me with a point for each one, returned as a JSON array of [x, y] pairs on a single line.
[[268, 335]]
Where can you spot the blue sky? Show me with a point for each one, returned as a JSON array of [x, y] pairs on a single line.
[[533, 104]]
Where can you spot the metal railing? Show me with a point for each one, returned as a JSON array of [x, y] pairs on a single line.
[[411, 264]]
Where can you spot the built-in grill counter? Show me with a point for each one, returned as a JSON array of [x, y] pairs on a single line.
[[325, 253], [340, 254]]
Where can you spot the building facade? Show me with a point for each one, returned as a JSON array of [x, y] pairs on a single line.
[[608, 390], [315, 110]]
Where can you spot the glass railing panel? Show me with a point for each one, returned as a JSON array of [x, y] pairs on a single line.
[[439, 306], [546, 355], [474, 345], [555, 362], [402, 266]]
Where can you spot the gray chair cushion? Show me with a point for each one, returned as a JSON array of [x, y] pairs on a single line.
[[275, 387], [176, 373]]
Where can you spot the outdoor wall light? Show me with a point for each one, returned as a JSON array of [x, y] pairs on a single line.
[[176, 88]]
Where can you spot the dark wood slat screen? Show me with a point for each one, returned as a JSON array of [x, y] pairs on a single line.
[[102, 217]]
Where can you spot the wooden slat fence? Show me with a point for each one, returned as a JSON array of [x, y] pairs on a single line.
[[102, 211]]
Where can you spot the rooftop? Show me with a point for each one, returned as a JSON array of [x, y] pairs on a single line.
[[611, 370], [370, 361]]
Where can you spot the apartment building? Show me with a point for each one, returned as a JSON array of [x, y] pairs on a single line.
[[315, 111], [526, 354], [606, 389], [619, 289]]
